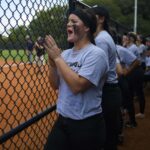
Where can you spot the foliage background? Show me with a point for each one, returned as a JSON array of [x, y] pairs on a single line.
[[123, 12], [53, 21]]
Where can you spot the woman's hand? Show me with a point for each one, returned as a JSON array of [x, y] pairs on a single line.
[[51, 48], [126, 71]]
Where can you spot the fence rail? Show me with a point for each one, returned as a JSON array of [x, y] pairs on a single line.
[[26, 124]]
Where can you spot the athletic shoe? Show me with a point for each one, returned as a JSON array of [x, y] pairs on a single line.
[[120, 139], [140, 115], [131, 125]]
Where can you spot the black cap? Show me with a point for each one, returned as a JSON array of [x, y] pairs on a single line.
[[101, 11], [147, 39]]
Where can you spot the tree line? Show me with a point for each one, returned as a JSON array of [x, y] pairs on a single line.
[[122, 11], [52, 21]]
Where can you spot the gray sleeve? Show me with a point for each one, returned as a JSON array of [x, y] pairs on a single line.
[[128, 57], [94, 67], [103, 45]]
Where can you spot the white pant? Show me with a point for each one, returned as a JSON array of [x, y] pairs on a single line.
[[40, 60]]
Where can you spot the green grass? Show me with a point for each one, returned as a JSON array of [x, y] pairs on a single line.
[[15, 55]]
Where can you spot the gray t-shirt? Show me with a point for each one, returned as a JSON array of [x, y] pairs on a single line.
[[105, 42], [141, 51], [134, 49], [126, 57], [90, 63]]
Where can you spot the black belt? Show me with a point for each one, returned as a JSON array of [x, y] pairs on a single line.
[[111, 85], [100, 115]]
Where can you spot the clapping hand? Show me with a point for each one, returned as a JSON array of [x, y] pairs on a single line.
[[52, 49]]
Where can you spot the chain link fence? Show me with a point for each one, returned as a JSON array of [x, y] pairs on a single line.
[[25, 92], [27, 101]]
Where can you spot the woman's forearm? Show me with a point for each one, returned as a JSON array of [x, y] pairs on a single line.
[[74, 81], [53, 77]]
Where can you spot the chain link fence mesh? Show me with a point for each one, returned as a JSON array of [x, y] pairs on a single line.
[[25, 91], [24, 87]]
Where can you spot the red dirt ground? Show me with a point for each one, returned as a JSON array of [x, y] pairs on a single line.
[[139, 137], [23, 94], [134, 139]]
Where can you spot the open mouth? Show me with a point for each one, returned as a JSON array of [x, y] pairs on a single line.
[[69, 31]]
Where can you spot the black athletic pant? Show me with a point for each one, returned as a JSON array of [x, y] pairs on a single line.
[[111, 103], [127, 98], [69, 134], [135, 80]]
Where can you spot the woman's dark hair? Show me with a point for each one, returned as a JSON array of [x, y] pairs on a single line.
[[141, 38], [103, 12], [89, 19], [133, 36]]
